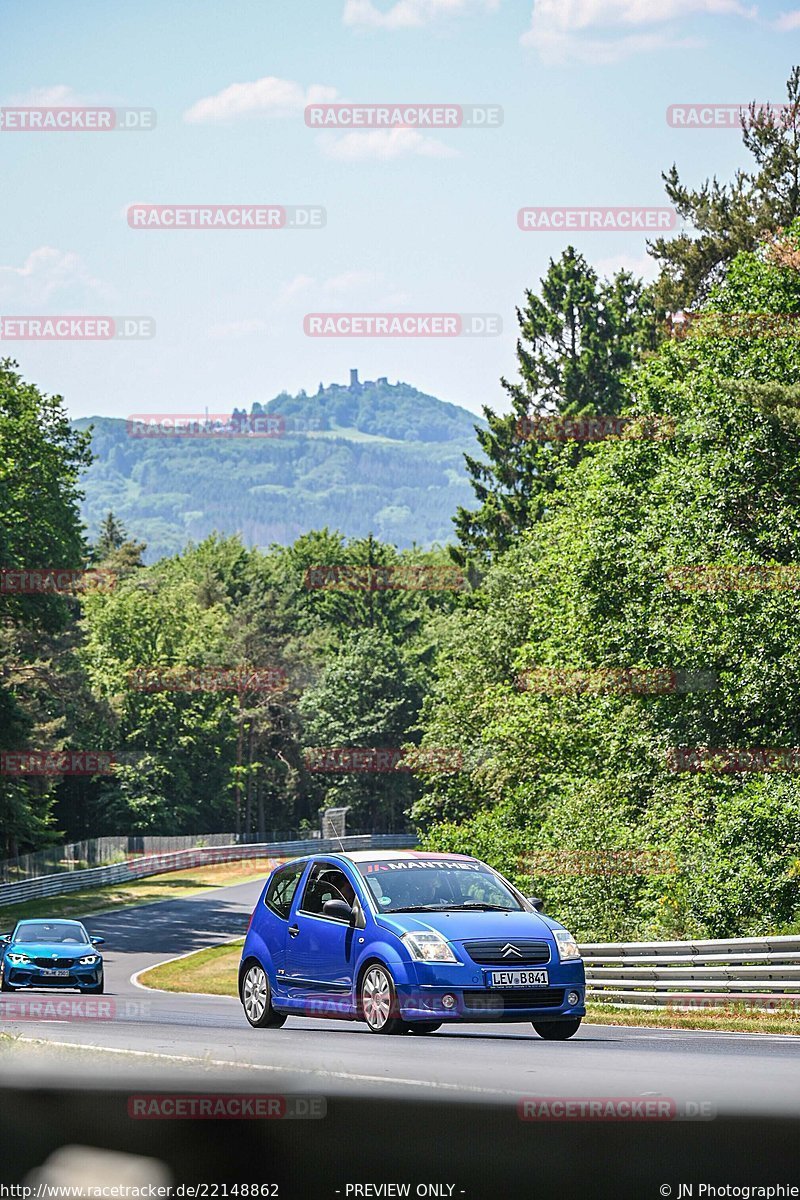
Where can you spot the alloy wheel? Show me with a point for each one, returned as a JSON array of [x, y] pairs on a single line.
[[255, 993], [376, 998]]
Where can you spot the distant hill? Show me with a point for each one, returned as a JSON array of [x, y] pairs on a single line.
[[364, 457]]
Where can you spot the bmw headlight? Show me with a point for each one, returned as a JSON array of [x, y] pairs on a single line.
[[89, 960], [429, 947], [19, 960], [567, 946]]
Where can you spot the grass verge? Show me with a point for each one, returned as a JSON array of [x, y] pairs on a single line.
[[734, 1018], [214, 970], [174, 885]]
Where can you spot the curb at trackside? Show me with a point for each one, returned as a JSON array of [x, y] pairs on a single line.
[[135, 980]]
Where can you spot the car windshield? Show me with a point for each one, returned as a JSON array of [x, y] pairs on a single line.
[[432, 884], [48, 933]]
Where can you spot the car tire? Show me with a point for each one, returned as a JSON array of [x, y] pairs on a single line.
[[377, 1001], [256, 999], [6, 987], [420, 1027], [95, 990], [557, 1031]]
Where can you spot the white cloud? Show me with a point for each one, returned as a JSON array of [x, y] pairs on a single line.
[[408, 14], [267, 97], [45, 273], [606, 31], [788, 21], [59, 95], [642, 267], [228, 330], [383, 145], [334, 285]]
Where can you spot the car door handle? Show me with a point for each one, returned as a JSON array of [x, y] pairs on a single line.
[[294, 930]]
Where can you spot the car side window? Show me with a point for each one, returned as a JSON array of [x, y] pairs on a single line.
[[326, 882], [281, 890]]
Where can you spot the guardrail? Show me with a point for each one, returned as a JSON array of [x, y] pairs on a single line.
[[178, 860], [762, 972]]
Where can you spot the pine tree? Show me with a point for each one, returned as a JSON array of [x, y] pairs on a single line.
[[576, 343], [732, 217], [112, 535]]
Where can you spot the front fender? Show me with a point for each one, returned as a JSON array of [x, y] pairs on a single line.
[[402, 970]]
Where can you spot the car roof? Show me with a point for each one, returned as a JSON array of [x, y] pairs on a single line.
[[49, 921], [378, 855], [357, 856]]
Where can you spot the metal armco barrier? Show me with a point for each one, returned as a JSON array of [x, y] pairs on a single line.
[[179, 860], [763, 972]]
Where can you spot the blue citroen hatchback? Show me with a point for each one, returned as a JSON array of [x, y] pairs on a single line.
[[407, 941]]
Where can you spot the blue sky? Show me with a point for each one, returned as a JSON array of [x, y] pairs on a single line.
[[415, 222]]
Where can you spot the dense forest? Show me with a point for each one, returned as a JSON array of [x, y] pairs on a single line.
[[530, 692], [366, 457]]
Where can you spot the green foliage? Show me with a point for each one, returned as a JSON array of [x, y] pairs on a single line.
[[576, 344], [588, 587], [353, 666], [731, 218], [41, 458], [379, 457]]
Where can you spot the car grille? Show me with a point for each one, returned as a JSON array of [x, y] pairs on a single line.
[[511, 1000], [490, 953], [54, 962]]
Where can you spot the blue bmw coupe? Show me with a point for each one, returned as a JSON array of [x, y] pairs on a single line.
[[51, 954], [407, 941]]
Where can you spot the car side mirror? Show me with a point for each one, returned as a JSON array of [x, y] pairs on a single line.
[[5, 937], [97, 941], [536, 902], [339, 909]]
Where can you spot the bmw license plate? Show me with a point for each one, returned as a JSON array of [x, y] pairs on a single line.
[[517, 979], [55, 973]]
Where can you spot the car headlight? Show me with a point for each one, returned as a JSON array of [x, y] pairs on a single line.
[[89, 960], [429, 947], [20, 960], [567, 946]]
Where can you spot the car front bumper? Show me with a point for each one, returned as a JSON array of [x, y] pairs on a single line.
[[36, 977], [454, 992]]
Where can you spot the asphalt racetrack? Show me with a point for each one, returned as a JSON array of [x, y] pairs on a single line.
[[731, 1073]]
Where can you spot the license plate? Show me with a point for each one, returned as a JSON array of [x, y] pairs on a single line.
[[54, 973], [516, 979]]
